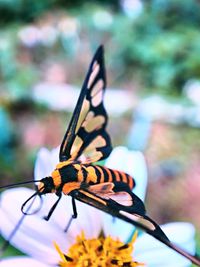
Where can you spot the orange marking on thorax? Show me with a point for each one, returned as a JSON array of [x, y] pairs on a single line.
[[62, 164], [68, 187], [56, 178], [101, 173], [91, 176]]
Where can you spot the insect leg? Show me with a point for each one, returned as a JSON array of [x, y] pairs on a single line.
[[74, 215], [53, 207]]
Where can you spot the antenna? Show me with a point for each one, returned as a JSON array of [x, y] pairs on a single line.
[[20, 183]]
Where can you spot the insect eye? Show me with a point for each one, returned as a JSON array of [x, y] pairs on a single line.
[[46, 185]]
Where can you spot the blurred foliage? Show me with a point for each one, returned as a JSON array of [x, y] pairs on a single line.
[[28, 10], [157, 49], [10, 250], [162, 44]]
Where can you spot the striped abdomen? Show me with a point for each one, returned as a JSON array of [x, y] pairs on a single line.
[[91, 174]]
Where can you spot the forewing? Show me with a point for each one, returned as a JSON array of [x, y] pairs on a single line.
[[86, 139]]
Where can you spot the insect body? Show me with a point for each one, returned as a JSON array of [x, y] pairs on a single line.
[[101, 181], [85, 142], [69, 176]]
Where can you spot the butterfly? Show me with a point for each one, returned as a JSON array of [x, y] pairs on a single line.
[[86, 142]]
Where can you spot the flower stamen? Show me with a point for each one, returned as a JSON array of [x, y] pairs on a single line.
[[98, 252]]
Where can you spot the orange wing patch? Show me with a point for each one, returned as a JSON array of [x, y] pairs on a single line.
[[83, 113], [91, 153], [122, 198], [90, 156], [93, 122], [102, 188], [97, 93], [93, 75], [98, 142], [139, 218], [78, 142], [105, 190]]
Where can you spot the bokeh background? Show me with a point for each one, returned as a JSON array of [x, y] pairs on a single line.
[[152, 54]]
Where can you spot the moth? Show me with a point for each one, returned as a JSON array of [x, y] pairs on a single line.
[[86, 142]]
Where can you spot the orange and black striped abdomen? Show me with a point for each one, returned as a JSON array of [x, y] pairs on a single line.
[[99, 174]]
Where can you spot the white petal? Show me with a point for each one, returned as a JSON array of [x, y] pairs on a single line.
[[55, 156], [117, 228], [21, 261], [133, 163], [88, 220], [45, 162], [43, 166], [154, 253], [35, 235]]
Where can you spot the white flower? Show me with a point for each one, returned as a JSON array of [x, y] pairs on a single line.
[[35, 236]]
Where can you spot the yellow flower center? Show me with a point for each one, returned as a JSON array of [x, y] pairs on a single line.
[[98, 252]]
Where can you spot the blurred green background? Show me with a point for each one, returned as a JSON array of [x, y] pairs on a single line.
[[152, 57]]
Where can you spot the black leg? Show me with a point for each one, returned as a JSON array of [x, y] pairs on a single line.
[[74, 215], [53, 208], [74, 208]]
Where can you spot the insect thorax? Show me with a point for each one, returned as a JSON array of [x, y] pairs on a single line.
[[65, 172]]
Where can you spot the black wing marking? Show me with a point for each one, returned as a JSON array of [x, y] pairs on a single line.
[[86, 138], [121, 198], [110, 207]]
